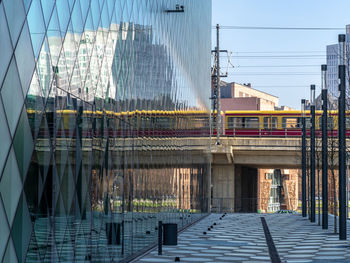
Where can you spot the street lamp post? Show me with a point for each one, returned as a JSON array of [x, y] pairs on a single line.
[[341, 138], [324, 148], [313, 154]]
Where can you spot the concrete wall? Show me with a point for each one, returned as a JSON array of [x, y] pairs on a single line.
[[223, 192]]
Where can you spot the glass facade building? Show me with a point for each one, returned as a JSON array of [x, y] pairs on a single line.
[[333, 64], [100, 102]]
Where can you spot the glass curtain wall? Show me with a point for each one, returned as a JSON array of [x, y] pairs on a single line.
[[100, 102]]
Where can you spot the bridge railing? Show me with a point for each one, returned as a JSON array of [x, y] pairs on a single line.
[[258, 132]]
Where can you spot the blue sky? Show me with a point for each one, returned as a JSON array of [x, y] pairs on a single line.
[[292, 81]]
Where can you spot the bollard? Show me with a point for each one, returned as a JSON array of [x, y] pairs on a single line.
[[170, 234], [123, 232], [160, 237], [113, 233]]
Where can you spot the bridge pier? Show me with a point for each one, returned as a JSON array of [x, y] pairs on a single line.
[[223, 188]]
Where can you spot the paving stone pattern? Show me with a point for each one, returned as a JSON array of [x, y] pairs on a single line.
[[235, 238], [240, 238], [299, 240]]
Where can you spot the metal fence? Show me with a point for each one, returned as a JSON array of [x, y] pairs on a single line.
[[252, 205]]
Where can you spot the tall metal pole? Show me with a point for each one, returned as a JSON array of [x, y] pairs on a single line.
[[308, 175], [218, 98], [303, 161], [341, 138], [324, 148], [313, 155], [347, 186]]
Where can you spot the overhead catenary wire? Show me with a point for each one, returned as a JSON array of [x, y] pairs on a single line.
[[281, 28], [281, 86], [278, 56], [277, 66], [271, 52], [275, 74]]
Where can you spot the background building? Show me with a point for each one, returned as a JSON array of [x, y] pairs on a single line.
[[85, 86], [333, 63], [236, 96], [278, 189]]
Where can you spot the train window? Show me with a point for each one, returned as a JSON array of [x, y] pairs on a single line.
[[329, 123], [235, 122], [162, 122], [144, 122], [290, 122], [86, 123], [347, 122], [251, 122], [308, 123], [243, 122], [270, 122]]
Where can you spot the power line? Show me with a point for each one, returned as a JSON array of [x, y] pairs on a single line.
[[281, 28], [277, 66], [276, 74], [281, 86], [277, 52], [279, 56]]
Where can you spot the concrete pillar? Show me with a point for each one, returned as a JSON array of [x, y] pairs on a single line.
[[223, 181]]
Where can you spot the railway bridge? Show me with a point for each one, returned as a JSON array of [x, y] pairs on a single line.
[[235, 163]]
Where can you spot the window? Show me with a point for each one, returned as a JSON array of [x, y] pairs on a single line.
[[347, 122], [270, 122], [290, 122], [329, 123], [162, 123], [251, 123], [268, 176], [308, 122], [243, 122], [235, 122]]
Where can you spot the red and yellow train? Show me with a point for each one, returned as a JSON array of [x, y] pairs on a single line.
[[177, 123], [277, 123]]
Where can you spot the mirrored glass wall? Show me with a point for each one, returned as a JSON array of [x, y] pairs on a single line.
[[102, 104]]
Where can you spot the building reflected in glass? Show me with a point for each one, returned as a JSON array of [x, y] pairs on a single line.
[[101, 102]]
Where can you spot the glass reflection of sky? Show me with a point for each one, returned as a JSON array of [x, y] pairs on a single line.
[[186, 82]]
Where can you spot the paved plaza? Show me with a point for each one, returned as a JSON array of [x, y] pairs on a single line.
[[241, 238]]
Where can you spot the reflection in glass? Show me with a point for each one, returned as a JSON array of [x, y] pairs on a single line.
[[100, 104]]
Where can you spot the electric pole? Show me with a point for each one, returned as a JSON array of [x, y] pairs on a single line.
[[216, 78], [218, 94]]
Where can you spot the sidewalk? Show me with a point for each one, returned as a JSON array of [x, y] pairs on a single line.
[[241, 238]]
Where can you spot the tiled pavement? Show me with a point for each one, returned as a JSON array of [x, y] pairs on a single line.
[[240, 238]]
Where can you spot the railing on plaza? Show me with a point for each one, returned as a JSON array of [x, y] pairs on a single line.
[[252, 205]]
